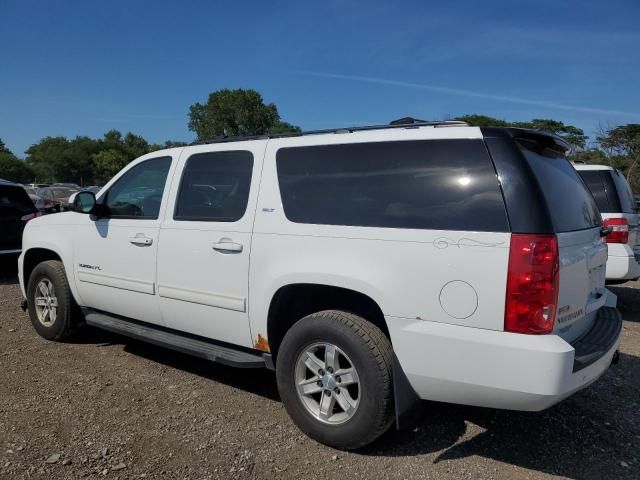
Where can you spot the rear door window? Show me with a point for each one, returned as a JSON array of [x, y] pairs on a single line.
[[569, 202], [427, 184], [215, 187]]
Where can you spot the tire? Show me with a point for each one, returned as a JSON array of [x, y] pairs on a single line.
[[60, 325], [355, 342]]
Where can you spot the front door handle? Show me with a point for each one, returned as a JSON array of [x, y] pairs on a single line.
[[227, 247], [141, 240]]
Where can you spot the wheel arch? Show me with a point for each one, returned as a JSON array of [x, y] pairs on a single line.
[[41, 253], [294, 301], [35, 256]]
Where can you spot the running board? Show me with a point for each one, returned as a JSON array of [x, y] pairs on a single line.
[[177, 342]]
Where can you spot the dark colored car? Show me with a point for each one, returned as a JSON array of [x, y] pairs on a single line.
[[35, 198], [16, 209], [73, 186], [56, 198], [92, 188]]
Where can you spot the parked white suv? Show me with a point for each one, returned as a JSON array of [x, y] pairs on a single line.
[[613, 196], [370, 267]]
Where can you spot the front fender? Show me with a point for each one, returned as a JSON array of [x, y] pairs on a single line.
[[60, 242]]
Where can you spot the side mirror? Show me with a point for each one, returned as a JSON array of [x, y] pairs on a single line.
[[83, 202]]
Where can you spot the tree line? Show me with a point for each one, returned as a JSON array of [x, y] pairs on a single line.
[[226, 112]]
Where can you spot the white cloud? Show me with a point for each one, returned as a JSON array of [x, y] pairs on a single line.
[[472, 93]]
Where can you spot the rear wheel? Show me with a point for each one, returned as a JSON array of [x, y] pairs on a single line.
[[49, 300], [334, 376]]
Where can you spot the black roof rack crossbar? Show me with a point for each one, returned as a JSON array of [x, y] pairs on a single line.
[[415, 124]]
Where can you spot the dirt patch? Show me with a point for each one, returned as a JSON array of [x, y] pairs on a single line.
[[104, 405]]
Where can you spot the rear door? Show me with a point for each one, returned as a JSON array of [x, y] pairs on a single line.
[[205, 241], [577, 224]]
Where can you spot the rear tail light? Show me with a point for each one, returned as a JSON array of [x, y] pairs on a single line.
[[619, 230], [532, 284], [30, 216]]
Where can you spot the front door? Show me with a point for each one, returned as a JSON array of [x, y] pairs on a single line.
[[203, 260], [115, 256]]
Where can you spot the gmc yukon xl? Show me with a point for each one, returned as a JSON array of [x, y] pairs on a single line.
[[370, 267]]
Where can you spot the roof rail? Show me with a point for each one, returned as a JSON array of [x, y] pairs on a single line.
[[406, 122]]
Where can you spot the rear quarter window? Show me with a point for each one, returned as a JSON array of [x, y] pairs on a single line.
[[601, 187], [627, 204], [569, 202], [431, 184]]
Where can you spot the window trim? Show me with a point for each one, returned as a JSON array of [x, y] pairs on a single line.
[[105, 198], [177, 218]]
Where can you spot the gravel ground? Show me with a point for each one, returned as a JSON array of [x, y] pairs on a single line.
[[107, 406]]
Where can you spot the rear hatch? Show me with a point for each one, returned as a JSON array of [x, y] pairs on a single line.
[[577, 224], [14, 205]]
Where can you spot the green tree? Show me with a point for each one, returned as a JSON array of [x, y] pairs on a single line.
[[622, 143], [57, 159], [235, 112], [593, 156], [12, 168], [571, 134], [284, 128], [46, 157], [107, 163], [483, 121], [168, 144]]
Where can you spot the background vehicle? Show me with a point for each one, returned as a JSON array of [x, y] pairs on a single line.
[[16, 209], [56, 198], [613, 196], [73, 186], [92, 188], [35, 198], [370, 267]]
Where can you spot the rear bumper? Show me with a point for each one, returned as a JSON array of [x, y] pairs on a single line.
[[622, 267], [471, 366]]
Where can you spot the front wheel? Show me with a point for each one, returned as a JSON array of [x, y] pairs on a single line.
[[334, 373], [49, 301]]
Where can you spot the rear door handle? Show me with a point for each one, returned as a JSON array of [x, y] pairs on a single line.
[[141, 240], [226, 246]]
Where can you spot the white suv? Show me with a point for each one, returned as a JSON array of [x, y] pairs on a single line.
[[369, 267], [613, 196]]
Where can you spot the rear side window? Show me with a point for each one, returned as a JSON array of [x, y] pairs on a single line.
[[14, 200], [215, 187], [627, 204], [432, 184], [570, 204]]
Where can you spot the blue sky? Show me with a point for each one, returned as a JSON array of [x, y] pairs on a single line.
[[84, 67]]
